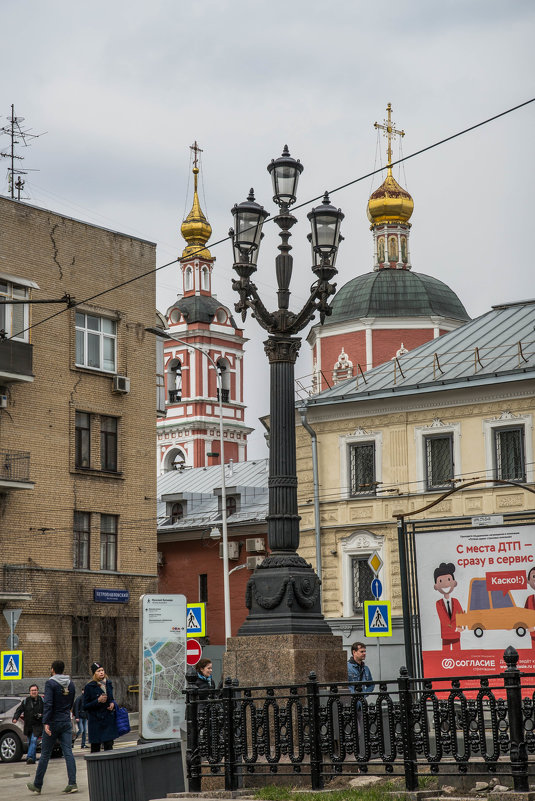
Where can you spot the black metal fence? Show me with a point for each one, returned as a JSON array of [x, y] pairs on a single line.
[[15, 465], [405, 727]]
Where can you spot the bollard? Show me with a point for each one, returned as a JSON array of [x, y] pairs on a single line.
[[518, 750]]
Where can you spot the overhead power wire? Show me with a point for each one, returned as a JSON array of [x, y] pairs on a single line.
[[294, 208]]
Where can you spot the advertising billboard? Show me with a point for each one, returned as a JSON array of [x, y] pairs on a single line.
[[476, 591]]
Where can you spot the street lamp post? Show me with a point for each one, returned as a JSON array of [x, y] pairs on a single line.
[[226, 586], [283, 594]]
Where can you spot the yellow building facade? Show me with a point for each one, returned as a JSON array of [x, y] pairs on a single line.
[[454, 410]]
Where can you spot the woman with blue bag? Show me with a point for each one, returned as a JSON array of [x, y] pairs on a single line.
[[100, 708]]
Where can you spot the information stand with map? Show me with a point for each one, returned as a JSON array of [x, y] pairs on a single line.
[[162, 666]]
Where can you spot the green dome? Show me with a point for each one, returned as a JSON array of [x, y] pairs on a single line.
[[396, 293]]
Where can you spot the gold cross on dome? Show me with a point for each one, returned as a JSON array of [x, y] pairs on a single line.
[[389, 131], [196, 150]]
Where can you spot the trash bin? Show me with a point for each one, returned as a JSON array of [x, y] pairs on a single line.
[[139, 773]]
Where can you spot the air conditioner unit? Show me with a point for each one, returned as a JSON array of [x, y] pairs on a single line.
[[254, 561], [159, 559], [121, 384], [255, 545], [233, 550], [3, 401]]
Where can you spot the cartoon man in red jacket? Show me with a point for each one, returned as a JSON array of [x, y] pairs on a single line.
[[530, 600], [448, 607]]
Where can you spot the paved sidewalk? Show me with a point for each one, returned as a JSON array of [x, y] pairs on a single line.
[[15, 775]]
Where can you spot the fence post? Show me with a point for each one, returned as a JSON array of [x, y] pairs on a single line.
[[231, 782], [409, 751], [193, 757], [518, 750], [316, 761]]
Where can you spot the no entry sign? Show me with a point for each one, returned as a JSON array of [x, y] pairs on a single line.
[[193, 652]]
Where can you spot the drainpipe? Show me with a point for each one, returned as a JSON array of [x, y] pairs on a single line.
[[317, 526]]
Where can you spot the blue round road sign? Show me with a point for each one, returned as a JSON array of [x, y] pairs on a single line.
[[377, 588]]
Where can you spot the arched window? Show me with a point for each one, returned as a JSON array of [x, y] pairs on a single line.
[[224, 370], [174, 459], [174, 381], [205, 279], [231, 505], [177, 512], [188, 279]]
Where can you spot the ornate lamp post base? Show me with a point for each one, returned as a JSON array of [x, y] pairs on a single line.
[[284, 600]]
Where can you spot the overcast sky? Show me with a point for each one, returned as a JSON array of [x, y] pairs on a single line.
[[123, 88]]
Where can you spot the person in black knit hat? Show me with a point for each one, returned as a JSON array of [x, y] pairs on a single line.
[[100, 708]]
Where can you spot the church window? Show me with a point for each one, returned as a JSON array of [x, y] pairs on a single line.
[[343, 368], [188, 279], [223, 367], [205, 275], [174, 381]]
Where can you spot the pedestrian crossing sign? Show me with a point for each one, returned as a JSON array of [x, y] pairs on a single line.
[[11, 665], [377, 619], [196, 620]]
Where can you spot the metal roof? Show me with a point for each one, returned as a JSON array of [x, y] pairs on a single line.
[[498, 346], [197, 486]]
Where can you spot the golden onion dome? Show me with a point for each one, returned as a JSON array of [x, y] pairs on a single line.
[[196, 229], [390, 203]]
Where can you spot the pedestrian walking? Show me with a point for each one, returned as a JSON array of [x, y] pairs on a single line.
[[57, 706], [202, 678], [100, 708], [80, 715], [31, 711], [358, 671]]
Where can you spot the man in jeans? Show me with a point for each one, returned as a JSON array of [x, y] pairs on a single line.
[[59, 698], [31, 710]]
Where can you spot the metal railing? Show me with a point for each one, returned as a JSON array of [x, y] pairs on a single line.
[[14, 465], [225, 395], [404, 727]]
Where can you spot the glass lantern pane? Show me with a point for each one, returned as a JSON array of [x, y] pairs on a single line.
[[285, 177]]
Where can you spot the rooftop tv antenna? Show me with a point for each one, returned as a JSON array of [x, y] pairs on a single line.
[[18, 135]]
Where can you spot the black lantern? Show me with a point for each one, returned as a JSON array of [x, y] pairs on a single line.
[[285, 172], [249, 217], [325, 224]]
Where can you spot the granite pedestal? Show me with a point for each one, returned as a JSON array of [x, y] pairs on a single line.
[[273, 659]]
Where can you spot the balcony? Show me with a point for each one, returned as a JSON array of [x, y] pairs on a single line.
[[15, 470], [14, 584], [16, 361], [225, 395]]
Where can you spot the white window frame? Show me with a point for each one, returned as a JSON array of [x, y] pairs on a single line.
[[503, 421], [436, 428], [361, 544], [11, 293], [360, 436], [103, 335]]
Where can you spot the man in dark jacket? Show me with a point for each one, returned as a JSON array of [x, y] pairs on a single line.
[[59, 699], [358, 671], [80, 716], [31, 710]]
